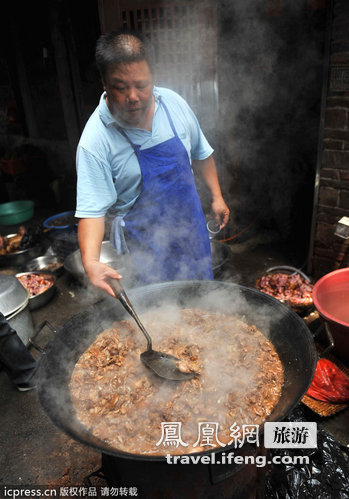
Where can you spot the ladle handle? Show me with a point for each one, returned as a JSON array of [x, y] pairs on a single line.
[[121, 295]]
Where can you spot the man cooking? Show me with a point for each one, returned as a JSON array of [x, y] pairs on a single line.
[[134, 163]]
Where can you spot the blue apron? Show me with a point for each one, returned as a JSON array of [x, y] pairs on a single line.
[[165, 230]]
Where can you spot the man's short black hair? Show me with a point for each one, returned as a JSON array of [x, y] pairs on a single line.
[[122, 47]]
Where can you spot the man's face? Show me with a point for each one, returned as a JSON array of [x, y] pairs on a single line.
[[129, 89]]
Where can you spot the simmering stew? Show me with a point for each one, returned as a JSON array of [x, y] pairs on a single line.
[[239, 381]]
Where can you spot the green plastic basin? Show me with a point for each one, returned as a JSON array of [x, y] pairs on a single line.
[[16, 212]]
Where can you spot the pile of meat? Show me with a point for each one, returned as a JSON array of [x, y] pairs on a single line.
[[12, 243], [35, 283], [239, 380], [293, 289], [26, 237]]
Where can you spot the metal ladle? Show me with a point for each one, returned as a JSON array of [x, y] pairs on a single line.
[[163, 364]]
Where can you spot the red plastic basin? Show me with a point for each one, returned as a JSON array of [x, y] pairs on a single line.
[[331, 299]]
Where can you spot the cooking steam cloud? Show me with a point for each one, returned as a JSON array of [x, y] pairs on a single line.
[[258, 104]]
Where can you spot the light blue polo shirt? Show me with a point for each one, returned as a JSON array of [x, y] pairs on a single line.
[[108, 172]]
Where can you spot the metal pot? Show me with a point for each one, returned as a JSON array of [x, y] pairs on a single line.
[[21, 321], [45, 263], [220, 254], [14, 304], [73, 264], [284, 328]]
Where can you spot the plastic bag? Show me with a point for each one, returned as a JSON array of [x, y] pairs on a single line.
[[325, 477], [329, 384]]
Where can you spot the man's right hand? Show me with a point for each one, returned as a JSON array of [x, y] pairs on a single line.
[[99, 273], [91, 232]]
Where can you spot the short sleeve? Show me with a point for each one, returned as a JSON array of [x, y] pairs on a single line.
[[199, 145], [96, 192], [201, 149]]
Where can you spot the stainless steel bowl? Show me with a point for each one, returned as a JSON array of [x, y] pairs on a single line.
[[41, 299], [73, 262], [44, 263]]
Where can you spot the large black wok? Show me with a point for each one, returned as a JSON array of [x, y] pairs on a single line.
[[288, 333]]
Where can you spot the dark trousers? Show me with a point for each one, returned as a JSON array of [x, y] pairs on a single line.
[[15, 358]]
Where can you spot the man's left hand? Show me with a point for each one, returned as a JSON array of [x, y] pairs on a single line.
[[220, 212]]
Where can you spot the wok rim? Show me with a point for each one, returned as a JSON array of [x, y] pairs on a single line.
[[87, 438]]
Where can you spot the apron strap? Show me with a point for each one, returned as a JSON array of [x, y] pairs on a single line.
[[117, 236], [124, 134], [169, 117]]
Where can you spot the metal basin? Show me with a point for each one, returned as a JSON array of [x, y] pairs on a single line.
[[73, 262], [44, 263]]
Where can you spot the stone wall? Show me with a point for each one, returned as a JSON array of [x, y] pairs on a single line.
[[331, 252]]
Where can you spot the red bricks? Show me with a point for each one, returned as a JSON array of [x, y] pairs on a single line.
[[344, 176], [328, 196], [336, 118], [344, 200], [330, 174], [335, 159]]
